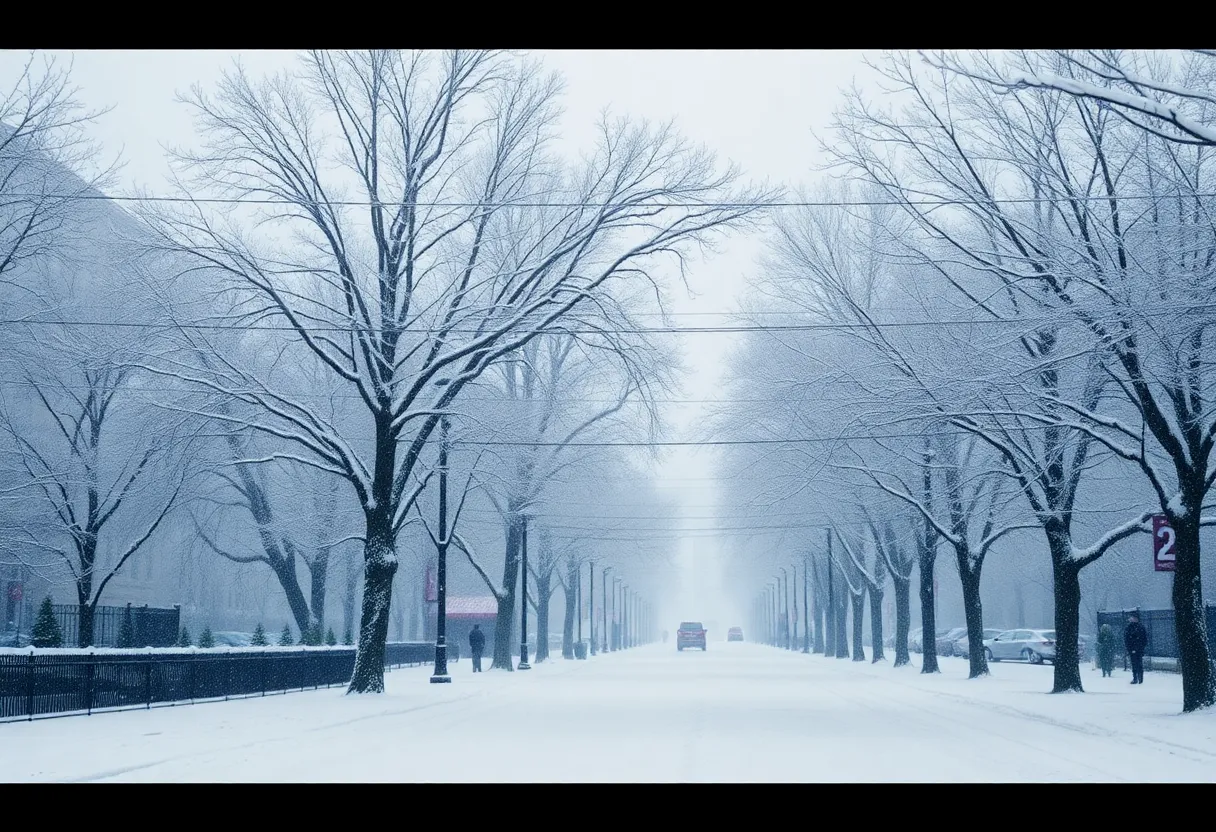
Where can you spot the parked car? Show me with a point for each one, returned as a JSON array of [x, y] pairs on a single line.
[[962, 647], [690, 634], [734, 634], [945, 641], [916, 640], [1033, 646]]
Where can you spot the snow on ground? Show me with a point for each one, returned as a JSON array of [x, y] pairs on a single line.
[[737, 713]]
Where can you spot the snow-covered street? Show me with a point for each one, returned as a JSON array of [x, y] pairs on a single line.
[[738, 713]]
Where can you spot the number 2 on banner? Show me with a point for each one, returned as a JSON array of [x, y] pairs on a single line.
[[1164, 551], [1165, 544]]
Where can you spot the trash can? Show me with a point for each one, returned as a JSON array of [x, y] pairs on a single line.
[[580, 650]]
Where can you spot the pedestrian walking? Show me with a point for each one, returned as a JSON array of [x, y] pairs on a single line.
[[477, 643], [1135, 639], [1106, 650]]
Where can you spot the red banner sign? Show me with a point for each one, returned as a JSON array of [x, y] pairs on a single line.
[[1163, 544]]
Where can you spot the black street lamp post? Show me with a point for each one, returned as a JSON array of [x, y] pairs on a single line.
[[579, 653], [604, 605], [783, 582], [616, 620], [591, 607], [806, 612], [440, 675], [523, 615], [625, 616], [794, 642]]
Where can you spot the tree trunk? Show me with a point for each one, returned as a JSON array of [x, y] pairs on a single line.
[[1194, 659], [572, 578], [544, 582], [504, 625], [348, 601], [928, 621], [319, 574], [876, 625], [1066, 587], [973, 613], [842, 623], [84, 615], [380, 565], [829, 615], [818, 617], [285, 570], [903, 620], [859, 620], [84, 595]]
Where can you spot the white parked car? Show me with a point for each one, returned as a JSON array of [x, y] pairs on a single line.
[[1033, 646], [962, 647]]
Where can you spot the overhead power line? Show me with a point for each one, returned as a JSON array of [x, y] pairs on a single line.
[[558, 329], [940, 202]]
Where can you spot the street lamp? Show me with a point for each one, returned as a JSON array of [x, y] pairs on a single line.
[[794, 570], [624, 616], [604, 604], [440, 674], [616, 620], [591, 607], [783, 582], [773, 606], [806, 611], [578, 601], [523, 614]]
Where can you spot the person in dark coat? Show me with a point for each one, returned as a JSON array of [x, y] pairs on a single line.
[[477, 643], [1135, 639], [1106, 650]]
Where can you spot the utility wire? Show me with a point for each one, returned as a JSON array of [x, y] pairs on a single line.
[[608, 330], [862, 203]]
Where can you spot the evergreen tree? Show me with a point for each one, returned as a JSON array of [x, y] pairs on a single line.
[[348, 639], [259, 636], [46, 628], [126, 631], [285, 636], [311, 636], [205, 639], [330, 638], [184, 639]]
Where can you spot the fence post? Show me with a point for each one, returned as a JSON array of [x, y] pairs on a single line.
[[262, 663], [148, 683], [89, 682], [29, 690]]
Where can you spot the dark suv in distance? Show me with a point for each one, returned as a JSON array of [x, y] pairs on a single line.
[[690, 634], [734, 634]]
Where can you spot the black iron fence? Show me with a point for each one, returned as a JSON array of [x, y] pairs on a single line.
[[151, 626], [1162, 635], [36, 685]]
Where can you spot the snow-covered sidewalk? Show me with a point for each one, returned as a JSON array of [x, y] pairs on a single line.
[[737, 713]]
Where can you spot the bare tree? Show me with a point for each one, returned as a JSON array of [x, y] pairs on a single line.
[[95, 480], [471, 239], [1177, 110], [43, 154], [1073, 253], [872, 581]]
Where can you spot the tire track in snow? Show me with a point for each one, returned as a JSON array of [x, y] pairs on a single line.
[[952, 726], [1197, 755]]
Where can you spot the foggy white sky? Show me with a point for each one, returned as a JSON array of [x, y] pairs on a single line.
[[756, 108]]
